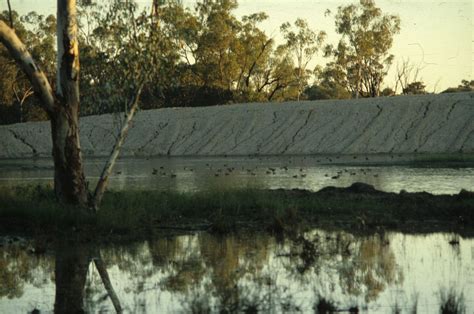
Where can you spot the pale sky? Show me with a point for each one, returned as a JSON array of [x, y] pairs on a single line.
[[436, 35]]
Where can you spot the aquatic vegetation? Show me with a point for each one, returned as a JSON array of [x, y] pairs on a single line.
[[325, 306], [451, 301], [33, 209]]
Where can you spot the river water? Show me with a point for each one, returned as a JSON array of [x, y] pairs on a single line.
[[202, 273], [390, 173], [205, 273]]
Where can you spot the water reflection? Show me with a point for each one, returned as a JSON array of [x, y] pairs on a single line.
[[250, 272], [385, 172], [72, 262]]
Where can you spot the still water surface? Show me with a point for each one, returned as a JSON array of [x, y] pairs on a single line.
[[203, 272], [385, 172]]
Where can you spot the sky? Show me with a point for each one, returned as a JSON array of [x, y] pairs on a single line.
[[436, 36]]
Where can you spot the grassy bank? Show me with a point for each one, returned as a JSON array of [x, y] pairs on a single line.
[[33, 209]]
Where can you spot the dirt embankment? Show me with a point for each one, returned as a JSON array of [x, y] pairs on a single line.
[[430, 124]]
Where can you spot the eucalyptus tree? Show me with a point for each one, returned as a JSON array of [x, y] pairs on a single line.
[[253, 52], [137, 63], [327, 84], [122, 45], [363, 50], [304, 43], [279, 80], [62, 106], [38, 33], [216, 43]]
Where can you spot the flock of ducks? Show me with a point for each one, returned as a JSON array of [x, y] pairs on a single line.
[[226, 170]]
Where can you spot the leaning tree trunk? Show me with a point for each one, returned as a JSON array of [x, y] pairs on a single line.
[[62, 107]]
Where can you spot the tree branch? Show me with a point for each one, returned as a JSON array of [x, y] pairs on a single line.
[[10, 16], [104, 177], [104, 275], [34, 74]]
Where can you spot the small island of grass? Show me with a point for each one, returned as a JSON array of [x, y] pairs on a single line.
[[33, 210]]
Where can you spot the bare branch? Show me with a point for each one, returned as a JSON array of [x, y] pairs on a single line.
[[104, 177], [10, 16], [34, 74]]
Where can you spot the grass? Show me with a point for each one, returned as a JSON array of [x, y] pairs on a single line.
[[34, 209]]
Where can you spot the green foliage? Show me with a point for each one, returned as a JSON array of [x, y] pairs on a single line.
[[328, 84], [415, 88], [34, 208], [466, 86], [124, 49], [363, 51], [303, 43], [335, 91], [200, 56], [388, 92], [16, 101]]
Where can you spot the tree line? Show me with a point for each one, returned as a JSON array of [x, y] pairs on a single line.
[[205, 56]]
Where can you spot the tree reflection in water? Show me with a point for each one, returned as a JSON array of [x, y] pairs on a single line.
[[362, 266], [72, 263], [73, 259], [233, 273], [18, 267]]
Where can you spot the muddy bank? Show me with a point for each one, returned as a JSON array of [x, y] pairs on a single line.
[[429, 124]]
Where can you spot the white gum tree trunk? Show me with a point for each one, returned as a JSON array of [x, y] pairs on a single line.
[[62, 107]]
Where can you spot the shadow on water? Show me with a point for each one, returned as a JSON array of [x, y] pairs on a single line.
[[317, 271]]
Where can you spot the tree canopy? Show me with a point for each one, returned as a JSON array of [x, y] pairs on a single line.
[[205, 55], [362, 53]]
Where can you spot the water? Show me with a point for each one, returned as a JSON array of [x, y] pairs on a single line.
[[198, 272], [386, 172]]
